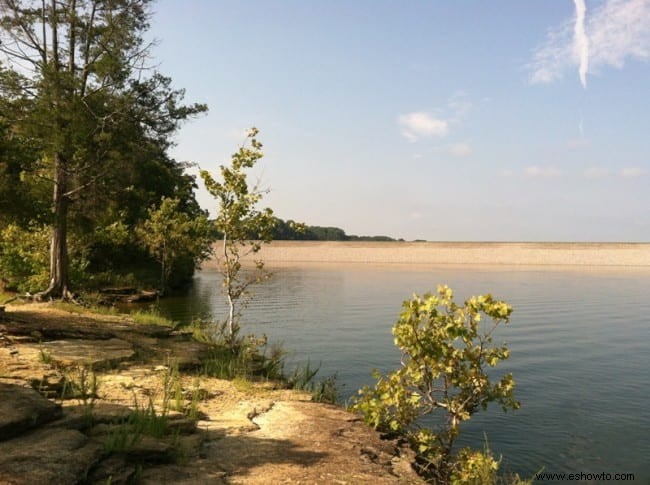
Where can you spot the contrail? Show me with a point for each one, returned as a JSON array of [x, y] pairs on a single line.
[[581, 126], [581, 41]]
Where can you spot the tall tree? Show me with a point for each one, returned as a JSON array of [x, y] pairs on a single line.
[[78, 81]]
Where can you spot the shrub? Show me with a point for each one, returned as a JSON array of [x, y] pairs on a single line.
[[446, 350]]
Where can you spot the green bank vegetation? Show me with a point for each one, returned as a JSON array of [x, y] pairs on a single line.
[[447, 350], [85, 130]]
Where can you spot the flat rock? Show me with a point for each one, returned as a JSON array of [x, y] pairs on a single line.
[[182, 351], [51, 456], [114, 470], [151, 450], [91, 353], [22, 408], [309, 443], [23, 365]]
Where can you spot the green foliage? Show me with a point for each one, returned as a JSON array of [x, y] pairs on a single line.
[[173, 237], [290, 231], [481, 468], [24, 257], [84, 127], [238, 221], [446, 351], [474, 467]]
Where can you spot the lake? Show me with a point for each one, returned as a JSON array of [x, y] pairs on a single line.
[[579, 340]]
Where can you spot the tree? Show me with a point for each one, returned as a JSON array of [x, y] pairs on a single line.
[[173, 237], [446, 350], [242, 226], [76, 87]]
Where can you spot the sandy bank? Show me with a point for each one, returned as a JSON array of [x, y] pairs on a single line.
[[480, 253]]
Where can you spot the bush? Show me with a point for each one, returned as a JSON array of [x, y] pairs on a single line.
[[446, 350]]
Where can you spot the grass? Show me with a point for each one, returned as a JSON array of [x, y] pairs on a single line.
[[327, 390], [146, 421], [303, 378], [11, 297], [139, 423], [79, 309], [45, 357], [151, 317], [252, 359]]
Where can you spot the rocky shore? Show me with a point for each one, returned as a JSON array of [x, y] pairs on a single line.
[[100, 399]]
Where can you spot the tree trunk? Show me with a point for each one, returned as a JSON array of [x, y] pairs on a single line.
[[59, 285], [231, 320]]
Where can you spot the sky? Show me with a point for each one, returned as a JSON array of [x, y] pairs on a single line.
[[506, 120]]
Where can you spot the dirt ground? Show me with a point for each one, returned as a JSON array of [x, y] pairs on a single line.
[[244, 432]]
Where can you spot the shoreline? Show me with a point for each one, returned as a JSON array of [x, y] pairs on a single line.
[[207, 429], [284, 253]]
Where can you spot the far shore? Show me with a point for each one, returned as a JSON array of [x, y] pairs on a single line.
[[458, 253]]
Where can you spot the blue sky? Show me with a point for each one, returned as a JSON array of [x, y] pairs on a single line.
[[466, 120]]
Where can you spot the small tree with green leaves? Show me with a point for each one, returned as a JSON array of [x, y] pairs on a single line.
[[242, 226], [446, 351], [172, 237]]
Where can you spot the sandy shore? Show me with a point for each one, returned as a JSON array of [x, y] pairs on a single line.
[[475, 253]]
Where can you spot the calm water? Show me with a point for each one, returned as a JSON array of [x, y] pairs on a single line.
[[580, 343]]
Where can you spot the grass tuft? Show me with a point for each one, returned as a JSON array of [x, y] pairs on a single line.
[[151, 317]]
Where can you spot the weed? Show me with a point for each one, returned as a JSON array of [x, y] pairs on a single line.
[[139, 423], [151, 317], [193, 409], [45, 357], [81, 383], [326, 391], [243, 385], [302, 377], [172, 388]]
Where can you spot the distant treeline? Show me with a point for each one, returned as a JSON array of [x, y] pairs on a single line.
[[289, 231]]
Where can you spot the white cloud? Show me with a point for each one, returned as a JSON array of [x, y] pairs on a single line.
[[608, 36], [507, 173], [415, 215], [460, 150], [581, 42], [537, 171], [632, 172], [422, 125], [596, 172]]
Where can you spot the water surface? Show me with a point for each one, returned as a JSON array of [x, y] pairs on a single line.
[[579, 341]]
